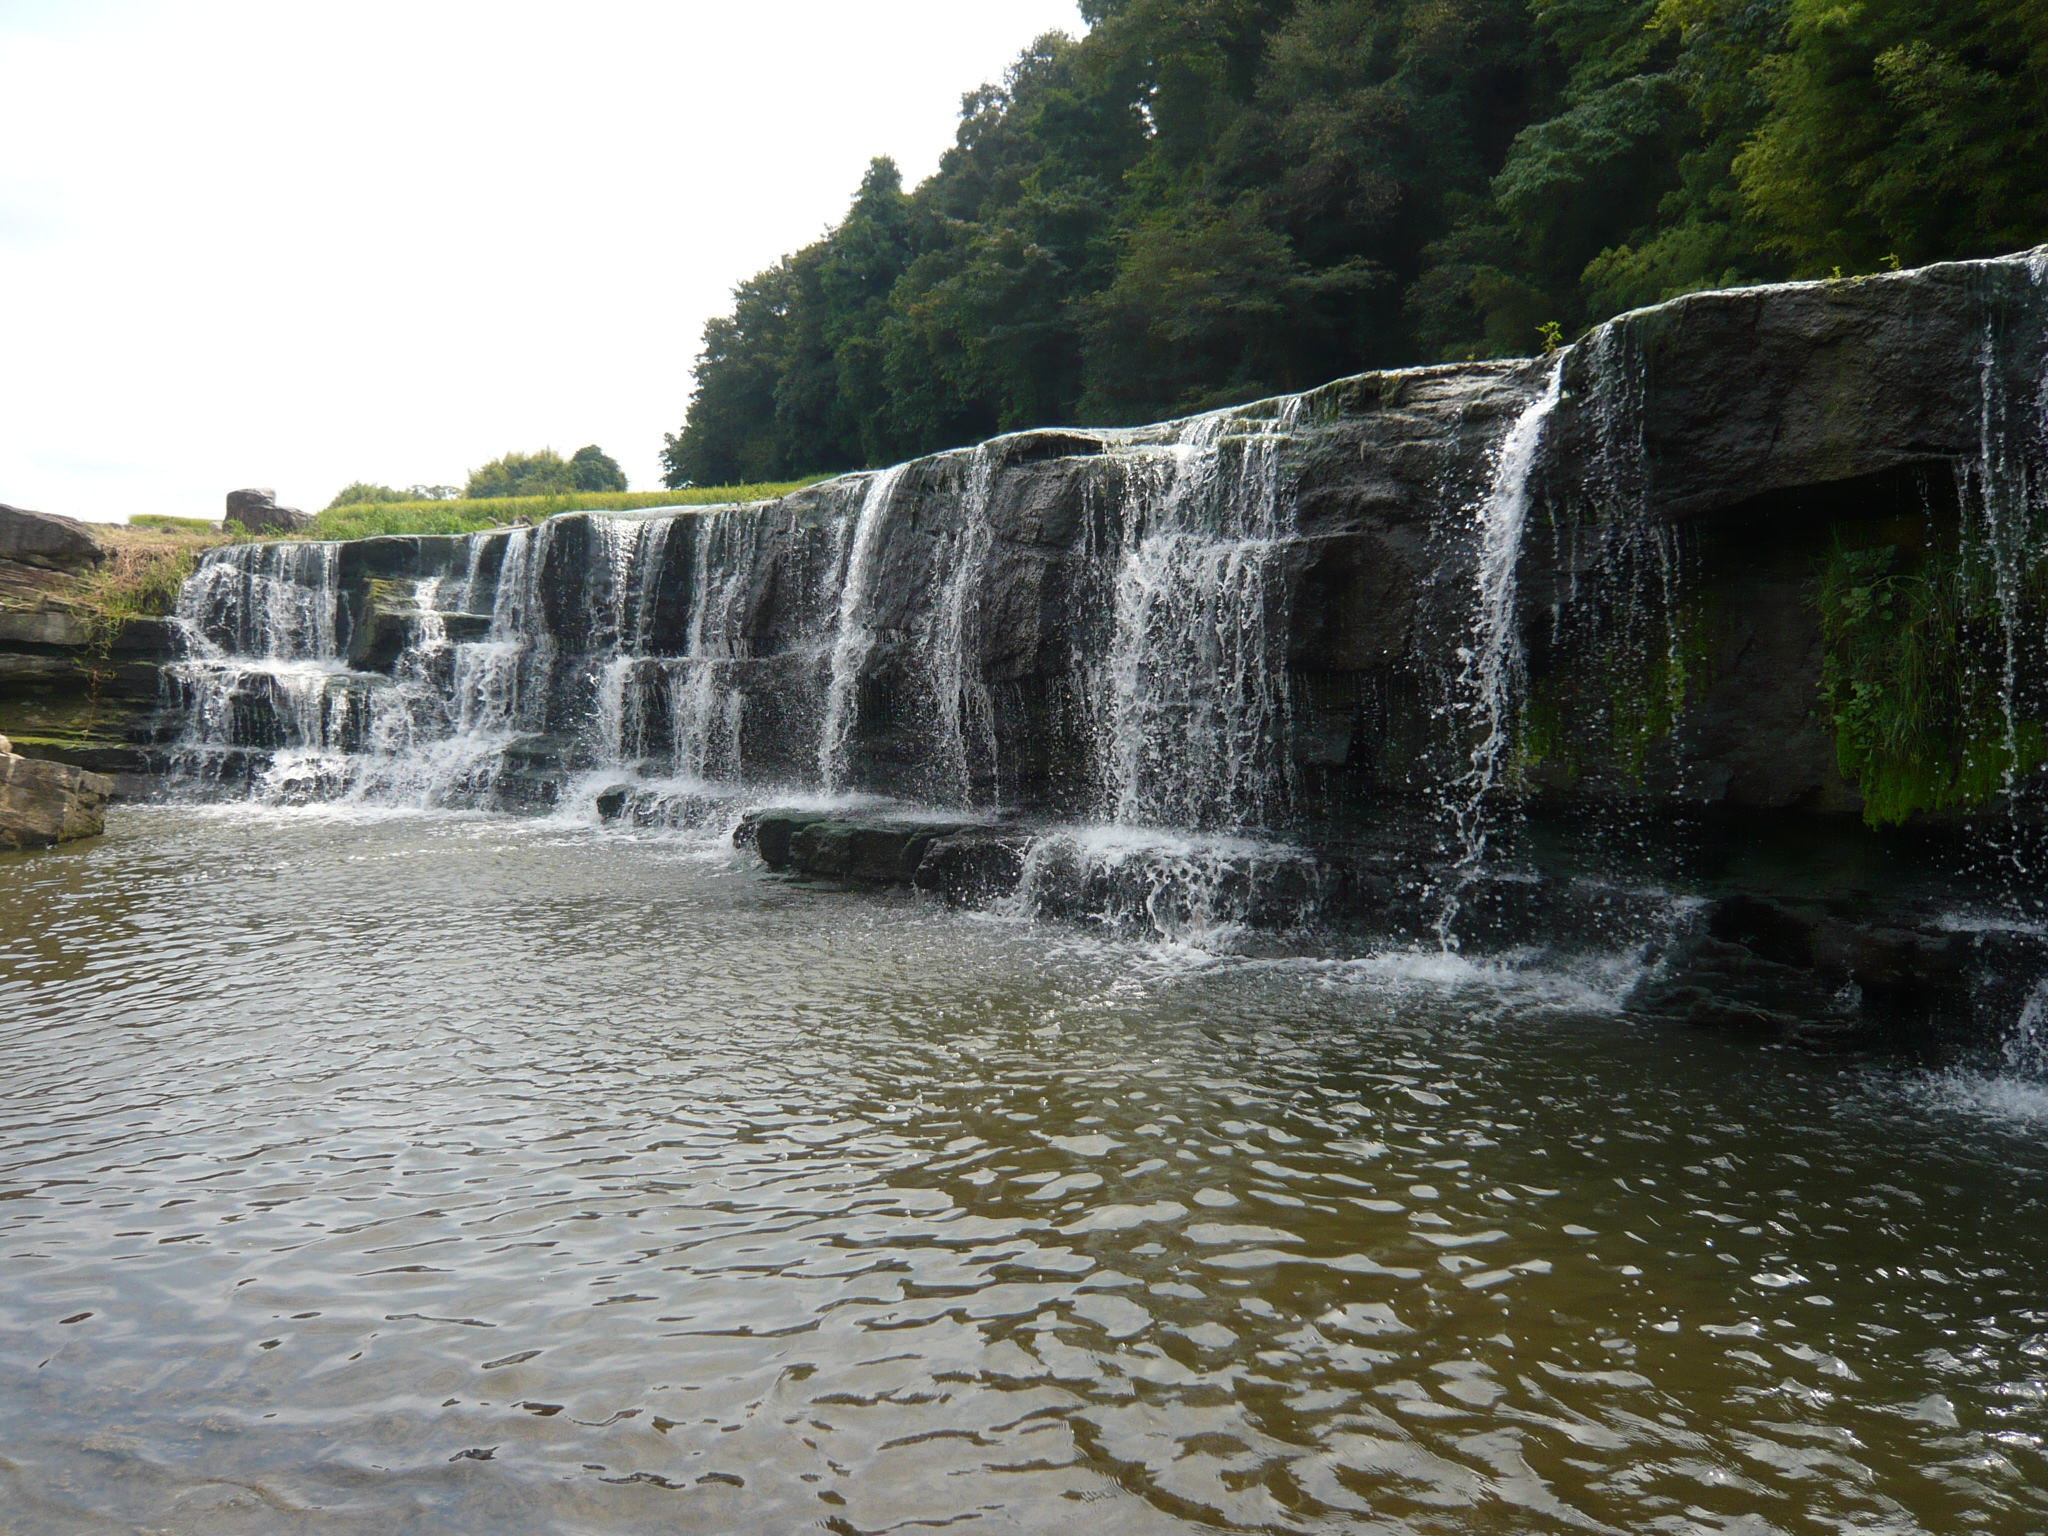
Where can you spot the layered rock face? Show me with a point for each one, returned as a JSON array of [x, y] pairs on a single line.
[[1470, 654], [68, 693]]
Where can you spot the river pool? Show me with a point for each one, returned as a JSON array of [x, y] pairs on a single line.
[[378, 1172]]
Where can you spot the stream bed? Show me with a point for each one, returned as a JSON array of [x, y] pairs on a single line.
[[367, 1171]]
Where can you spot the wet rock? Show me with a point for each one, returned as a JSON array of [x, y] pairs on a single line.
[[873, 851], [1761, 963], [47, 542], [257, 510], [975, 867], [769, 832], [44, 803]]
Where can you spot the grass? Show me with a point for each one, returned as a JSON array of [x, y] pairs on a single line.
[[368, 519], [146, 564]]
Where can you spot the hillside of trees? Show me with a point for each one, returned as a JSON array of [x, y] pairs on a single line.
[[1205, 201]]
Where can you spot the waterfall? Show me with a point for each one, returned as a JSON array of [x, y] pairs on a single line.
[[707, 709], [965, 714], [853, 636], [1486, 693], [1196, 723], [259, 674], [630, 684], [1191, 736]]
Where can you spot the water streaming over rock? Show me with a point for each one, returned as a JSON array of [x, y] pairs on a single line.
[[1489, 689], [1191, 671], [853, 635]]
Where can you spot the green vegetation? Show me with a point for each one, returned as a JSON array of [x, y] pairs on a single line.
[[357, 492], [1626, 691], [147, 561], [1913, 678], [546, 473], [1205, 201], [365, 520]]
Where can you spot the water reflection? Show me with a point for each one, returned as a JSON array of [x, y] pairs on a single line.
[[408, 1174]]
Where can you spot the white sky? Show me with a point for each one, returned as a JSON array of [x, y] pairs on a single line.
[[295, 245]]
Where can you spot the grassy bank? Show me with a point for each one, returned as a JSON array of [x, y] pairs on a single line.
[[146, 564], [368, 519]]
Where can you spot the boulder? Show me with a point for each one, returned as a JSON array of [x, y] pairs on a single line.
[[46, 542], [46, 803], [256, 509]]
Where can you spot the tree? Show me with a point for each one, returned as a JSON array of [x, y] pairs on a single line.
[[546, 473], [1201, 201], [592, 469], [359, 492]]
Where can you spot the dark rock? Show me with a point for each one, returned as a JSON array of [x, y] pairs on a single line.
[[843, 846], [385, 618], [257, 510], [44, 803], [47, 542], [975, 867], [1763, 963], [770, 833]]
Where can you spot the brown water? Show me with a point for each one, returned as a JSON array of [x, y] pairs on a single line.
[[401, 1174]]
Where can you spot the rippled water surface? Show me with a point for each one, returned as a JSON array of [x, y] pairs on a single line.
[[446, 1175]]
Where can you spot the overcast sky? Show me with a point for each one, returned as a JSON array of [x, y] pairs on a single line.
[[297, 245]]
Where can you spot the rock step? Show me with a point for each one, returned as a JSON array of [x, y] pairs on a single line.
[[967, 862]]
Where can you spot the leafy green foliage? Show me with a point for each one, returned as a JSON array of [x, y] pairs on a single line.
[[361, 492], [546, 473], [1205, 201], [1911, 680]]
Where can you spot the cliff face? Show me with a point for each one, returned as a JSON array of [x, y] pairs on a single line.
[[68, 692], [1445, 629]]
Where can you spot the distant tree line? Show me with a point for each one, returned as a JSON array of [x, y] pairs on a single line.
[[545, 473], [1205, 201]]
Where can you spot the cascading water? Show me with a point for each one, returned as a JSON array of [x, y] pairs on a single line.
[[1196, 711], [1490, 674], [260, 671], [1191, 738], [544, 666], [960, 696], [854, 636]]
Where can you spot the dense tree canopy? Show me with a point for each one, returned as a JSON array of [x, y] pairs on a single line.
[[1204, 201], [547, 473]]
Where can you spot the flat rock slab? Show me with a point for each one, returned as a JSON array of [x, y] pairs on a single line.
[[44, 803], [872, 849]]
